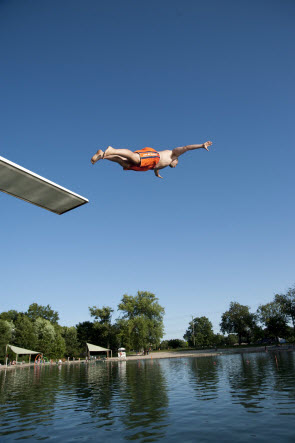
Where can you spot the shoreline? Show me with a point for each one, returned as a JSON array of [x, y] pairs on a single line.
[[151, 356], [160, 355]]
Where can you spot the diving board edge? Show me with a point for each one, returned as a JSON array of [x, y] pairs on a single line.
[[51, 185], [43, 207]]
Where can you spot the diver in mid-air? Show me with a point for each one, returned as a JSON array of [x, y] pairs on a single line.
[[147, 158]]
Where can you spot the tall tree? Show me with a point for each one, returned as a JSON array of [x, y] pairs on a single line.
[[103, 315], [6, 333], [142, 321], [274, 319], [85, 333], [25, 334], [59, 345], [38, 311], [72, 347], [238, 320], [10, 316], [175, 343], [287, 303], [45, 336], [102, 325], [200, 332]]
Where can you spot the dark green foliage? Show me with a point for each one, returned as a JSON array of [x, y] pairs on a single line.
[[105, 334], [200, 332], [287, 304], [164, 344], [25, 334], [85, 334], [274, 319], [6, 331], [72, 346], [10, 316], [38, 311], [238, 320], [141, 324], [175, 343]]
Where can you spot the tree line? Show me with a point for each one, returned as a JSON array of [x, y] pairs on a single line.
[[139, 326], [270, 322]]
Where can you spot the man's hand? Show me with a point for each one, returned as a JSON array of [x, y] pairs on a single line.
[[206, 145], [156, 171]]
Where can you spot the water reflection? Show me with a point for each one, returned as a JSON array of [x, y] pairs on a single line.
[[29, 399], [132, 395], [253, 378], [128, 396], [151, 400], [145, 399], [206, 376], [249, 378]]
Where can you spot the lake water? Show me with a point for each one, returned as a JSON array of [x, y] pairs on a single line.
[[229, 398]]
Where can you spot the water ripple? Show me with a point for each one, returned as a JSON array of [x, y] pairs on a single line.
[[226, 398]]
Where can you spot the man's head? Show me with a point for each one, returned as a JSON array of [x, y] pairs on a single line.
[[174, 163]]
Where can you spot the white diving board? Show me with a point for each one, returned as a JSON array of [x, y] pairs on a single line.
[[24, 184]]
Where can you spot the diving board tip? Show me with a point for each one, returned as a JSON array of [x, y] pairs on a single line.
[[30, 187]]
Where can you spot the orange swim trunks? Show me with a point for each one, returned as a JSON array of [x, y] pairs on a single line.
[[149, 158]]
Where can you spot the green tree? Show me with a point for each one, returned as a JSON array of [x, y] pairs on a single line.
[[231, 339], [200, 332], [274, 319], [72, 346], [104, 330], [141, 324], [175, 343], [38, 311], [238, 320], [103, 315], [85, 333], [10, 316], [164, 344], [45, 336], [58, 349], [49, 338], [287, 303], [25, 334], [6, 333], [219, 340]]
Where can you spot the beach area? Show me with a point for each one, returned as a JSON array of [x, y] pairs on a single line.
[[159, 355], [151, 355]]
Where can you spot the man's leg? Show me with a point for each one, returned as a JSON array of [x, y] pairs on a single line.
[[132, 157], [125, 155], [97, 156], [120, 160]]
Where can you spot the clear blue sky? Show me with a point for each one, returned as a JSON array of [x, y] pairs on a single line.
[[78, 75]]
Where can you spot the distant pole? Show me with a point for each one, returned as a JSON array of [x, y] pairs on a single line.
[[193, 331], [6, 358]]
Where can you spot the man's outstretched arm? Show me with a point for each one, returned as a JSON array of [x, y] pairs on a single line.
[[176, 152], [156, 171]]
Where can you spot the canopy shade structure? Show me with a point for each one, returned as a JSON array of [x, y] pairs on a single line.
[[20, 351], [94, 348], [26, 185]]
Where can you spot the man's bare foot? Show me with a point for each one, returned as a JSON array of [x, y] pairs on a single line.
[[110, 151], [99, 155], [206, 145]]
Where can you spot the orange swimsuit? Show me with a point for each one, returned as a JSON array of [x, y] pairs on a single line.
[[149, 158]]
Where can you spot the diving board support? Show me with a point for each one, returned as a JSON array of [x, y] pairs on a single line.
[[30, 187]]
